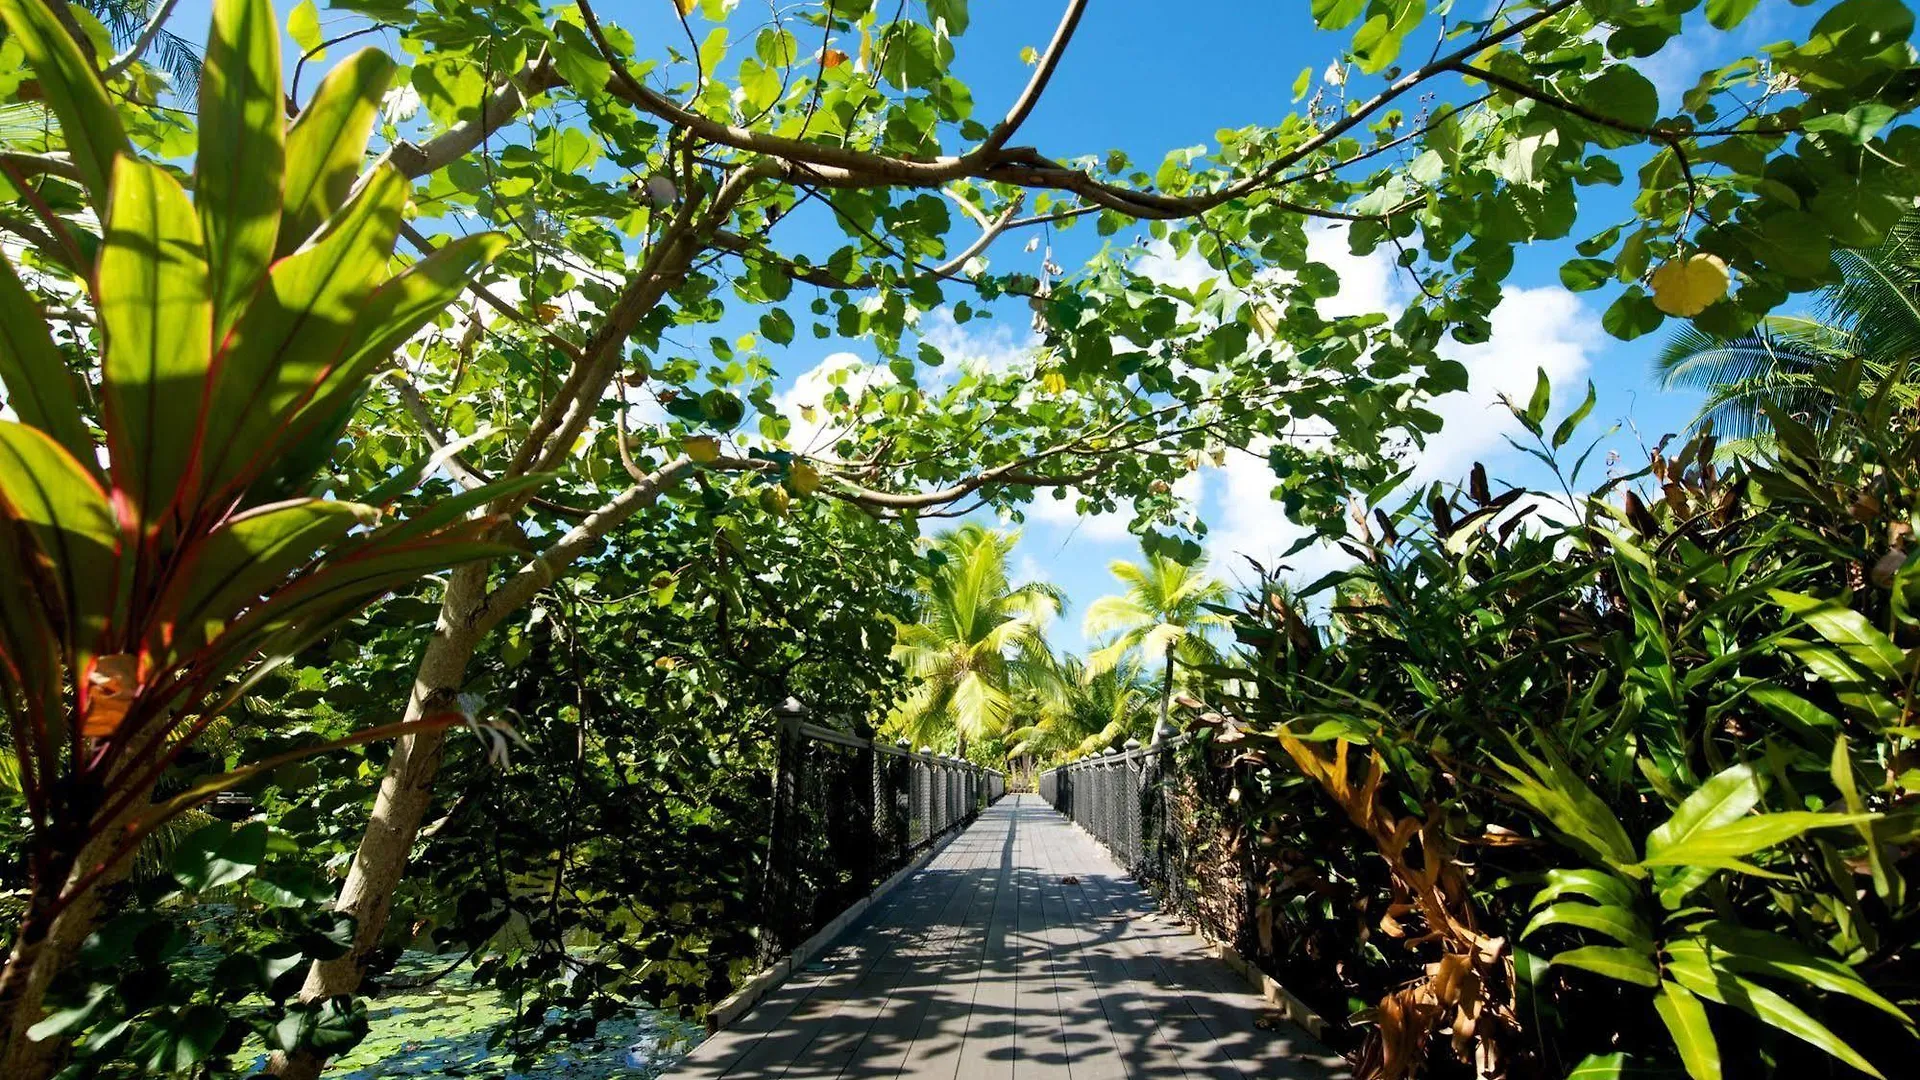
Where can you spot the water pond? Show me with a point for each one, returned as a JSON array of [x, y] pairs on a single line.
[[441, 1030]]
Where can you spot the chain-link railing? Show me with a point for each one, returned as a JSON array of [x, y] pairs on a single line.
[[1161, 811], [847, 813]]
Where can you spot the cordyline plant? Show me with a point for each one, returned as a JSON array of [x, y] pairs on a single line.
[[150, 574]]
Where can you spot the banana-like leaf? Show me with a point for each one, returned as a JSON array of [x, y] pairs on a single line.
[[1686, 1021], [1618, 923], [1848, 630], [67, 515], [158, 321], [1626, 965], [1601, 1067], [286, 342], [1724, 845], [39, 386], [88, 121], [1596, 885], [237, 176], [310, 602], [395, 312], [243, 559], [453, 508], [1700, 969], [1757, 952], [1727, 796], [326, 143]]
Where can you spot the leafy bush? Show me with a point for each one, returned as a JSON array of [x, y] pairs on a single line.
[[1590, 785]]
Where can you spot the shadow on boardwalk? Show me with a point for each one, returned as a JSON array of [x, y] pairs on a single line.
[[1023, 951]]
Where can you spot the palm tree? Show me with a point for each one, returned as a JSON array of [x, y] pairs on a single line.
[[977, 636], [1163, 615], [1866, 328], [1075, 713]]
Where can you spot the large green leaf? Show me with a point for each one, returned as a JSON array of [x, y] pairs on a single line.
[[244, 558], [1727, 796], [1626, 965], [293, 332], [1597, 885], [326, 144], [88, 121], [67, 515], [237, 176], [39, 386], [1849, 630], [158, 319], [1723, 846], [1757, 952], [1686, 1021], [1700, 969], [1552, 787], [1618, 923], [395, 312]]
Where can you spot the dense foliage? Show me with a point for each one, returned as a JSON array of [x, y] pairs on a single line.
[[702, 541], [1608, 782]]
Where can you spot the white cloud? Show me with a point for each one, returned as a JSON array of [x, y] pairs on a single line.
[[1541, 328], [1064, 512], [817, 425], [990, 346]]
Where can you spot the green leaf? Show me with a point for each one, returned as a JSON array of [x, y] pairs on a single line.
[[1626, 965], [243, 558], [1725, 797], [1334, 14], [325, 145], [1620, 93], [1541, 400], [158, 320], [1699, 968], [1725, 845], [1757, 952], [1618, 923], [88, 120], [1304, 83], [218, 854], [39, 386], [1585, 275], [777, 326], [238, 174], [70, 521], [391, 317], [1686, 1021], [1847, 629], [1597, 885], [1568, 426], [1727, 14], [1600, 1067], [295, 332], [1632, 315]]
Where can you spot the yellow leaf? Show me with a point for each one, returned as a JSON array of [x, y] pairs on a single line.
[[775, 500], [832, 58], [546, 313], [1053, 383], [1686, 287], [701, 448], [684, 7], [805, 478]]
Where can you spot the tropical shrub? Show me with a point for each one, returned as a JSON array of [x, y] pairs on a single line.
[[1592, 785], [158, 551]]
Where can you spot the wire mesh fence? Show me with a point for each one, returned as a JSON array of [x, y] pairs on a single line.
[[1162, 811], [848, 812]]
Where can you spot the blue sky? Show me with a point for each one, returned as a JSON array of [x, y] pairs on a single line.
[[1148, 77]]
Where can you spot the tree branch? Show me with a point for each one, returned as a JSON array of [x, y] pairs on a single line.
[[1036, 86]]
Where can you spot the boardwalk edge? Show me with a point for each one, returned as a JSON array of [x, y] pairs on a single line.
[[738, 1003]]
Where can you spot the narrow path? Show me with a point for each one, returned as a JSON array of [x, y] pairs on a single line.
[[1022, 952]]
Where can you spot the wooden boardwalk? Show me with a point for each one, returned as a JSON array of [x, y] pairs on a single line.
[[1021, 951]]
